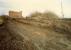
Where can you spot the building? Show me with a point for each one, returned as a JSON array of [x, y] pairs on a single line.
[[15, 14]]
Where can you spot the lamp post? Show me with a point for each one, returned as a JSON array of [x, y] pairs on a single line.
[[62, 8]]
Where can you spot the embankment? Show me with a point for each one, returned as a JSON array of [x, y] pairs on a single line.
[[41, 35]]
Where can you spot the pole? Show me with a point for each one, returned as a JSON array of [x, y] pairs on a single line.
[[62, 8]]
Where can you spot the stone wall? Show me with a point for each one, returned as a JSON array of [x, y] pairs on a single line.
[[14, 14]]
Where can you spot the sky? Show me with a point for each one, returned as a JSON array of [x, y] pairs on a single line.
[[29, 6]]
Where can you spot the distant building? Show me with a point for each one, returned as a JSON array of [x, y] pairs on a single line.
[[15, 14]]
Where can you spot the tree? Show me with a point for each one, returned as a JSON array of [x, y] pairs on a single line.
[[36, 14], [50, 15]]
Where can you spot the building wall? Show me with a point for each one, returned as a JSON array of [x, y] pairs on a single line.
[[15, 14]]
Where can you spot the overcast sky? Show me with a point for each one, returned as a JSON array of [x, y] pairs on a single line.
[[29, 6]]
